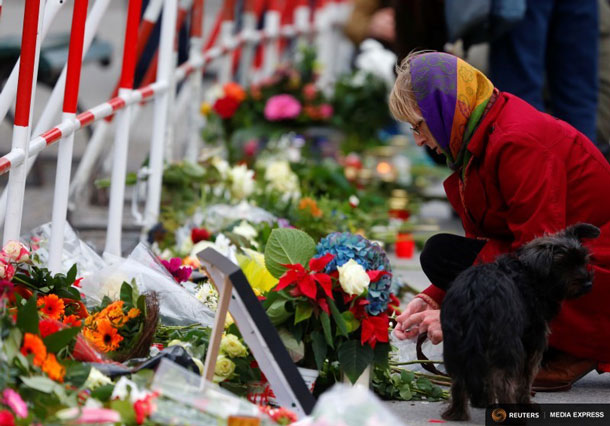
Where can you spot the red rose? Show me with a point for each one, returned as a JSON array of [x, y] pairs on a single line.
[[6, 418], [199, 234], [226, 107]]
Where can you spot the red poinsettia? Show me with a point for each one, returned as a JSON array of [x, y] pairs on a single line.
[[306, 282], [375, 329]]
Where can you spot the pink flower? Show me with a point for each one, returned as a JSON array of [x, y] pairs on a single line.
[[14, 401], [92, 415], [174, 268], [7, 271], [325, 111], [14, 251], [282, 107]]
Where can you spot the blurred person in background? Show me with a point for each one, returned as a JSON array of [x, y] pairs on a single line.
[[556, 43], [603, 109]]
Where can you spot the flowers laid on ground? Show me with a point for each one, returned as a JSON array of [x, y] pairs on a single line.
[[123, 329], [324, 294]]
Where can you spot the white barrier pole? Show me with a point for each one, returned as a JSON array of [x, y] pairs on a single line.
[[194, 83], [28, 72], [226, 41], [64, 155], [272, 45], [164, 70], [121, 141]]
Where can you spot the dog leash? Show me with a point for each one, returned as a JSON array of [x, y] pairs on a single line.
[[428, 366]]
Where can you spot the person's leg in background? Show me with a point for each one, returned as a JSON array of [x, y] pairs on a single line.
[[517, 60], [572, 63]]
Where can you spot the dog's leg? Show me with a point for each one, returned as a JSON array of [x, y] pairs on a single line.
[[458, 407], [531, 369]]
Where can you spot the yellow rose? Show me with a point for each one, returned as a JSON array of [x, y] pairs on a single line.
[[224, 369], [230, 345], [206, 109]]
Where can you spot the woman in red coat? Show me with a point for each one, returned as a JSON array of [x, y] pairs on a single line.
[[518, 173]]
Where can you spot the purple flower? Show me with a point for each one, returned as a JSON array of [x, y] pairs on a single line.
[[180, 274], [282, 107], [15, 403]]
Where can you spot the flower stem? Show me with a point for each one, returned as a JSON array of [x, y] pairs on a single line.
[[417, 361]]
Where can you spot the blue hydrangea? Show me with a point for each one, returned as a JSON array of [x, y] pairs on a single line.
[[345, 246]]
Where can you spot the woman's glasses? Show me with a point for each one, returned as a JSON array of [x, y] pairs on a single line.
[[415, 129]]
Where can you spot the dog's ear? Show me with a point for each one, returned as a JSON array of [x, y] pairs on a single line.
[[583, 230], [538, 258]]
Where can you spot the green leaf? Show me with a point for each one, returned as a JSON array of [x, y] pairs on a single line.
[[27, 317], [354, 358], [77, 373], [303, 312], [320, 348], [39, 383], [12, 344], [127, 294], [382, 355], [60, 339], [350, 321], [277, 312], [405, 393], [328, 335], [288, 246], [71, 276], [407, 376], [67, 292], [341, 325], [125, 409], [423, 384], [103, 393]]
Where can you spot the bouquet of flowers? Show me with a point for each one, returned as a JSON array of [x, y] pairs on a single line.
[[333, 299], [124, 328]]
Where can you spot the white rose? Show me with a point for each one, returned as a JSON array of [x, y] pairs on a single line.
[[14, 251], [96, 379], [232, 346], [353, 278], [245, 230], [242, 181]]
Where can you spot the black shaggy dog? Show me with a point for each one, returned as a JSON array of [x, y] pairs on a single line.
[[494, 318]]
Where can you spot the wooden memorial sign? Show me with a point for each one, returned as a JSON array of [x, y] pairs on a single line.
[[236, 296]]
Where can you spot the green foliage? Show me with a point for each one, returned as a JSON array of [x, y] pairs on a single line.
[[41, 280], [354, 358], [288, 247], [404, 385]]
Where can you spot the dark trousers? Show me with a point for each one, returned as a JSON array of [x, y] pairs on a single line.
[[445, 255], [557, 39]]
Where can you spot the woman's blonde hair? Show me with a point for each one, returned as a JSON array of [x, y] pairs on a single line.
[[403, 104]]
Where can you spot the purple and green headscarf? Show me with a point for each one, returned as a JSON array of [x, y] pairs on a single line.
[[452, 96]]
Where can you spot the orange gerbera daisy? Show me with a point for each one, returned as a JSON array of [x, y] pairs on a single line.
[[32, 344], [51, 305], [72, 321], [235, 91], [54, 369], [107, 337], [133, 313]]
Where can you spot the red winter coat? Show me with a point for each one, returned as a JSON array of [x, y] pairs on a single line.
[[531, 173]]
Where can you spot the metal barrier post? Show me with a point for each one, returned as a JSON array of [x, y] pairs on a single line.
[[121, 141], [64, 155], [28, 72], [226, 42], [194, 82], [164, 71], [272, 32]]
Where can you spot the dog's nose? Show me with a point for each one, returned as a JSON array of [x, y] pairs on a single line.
[[587, 287]]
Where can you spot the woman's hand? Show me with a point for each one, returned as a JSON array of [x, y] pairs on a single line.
[[419, 317]]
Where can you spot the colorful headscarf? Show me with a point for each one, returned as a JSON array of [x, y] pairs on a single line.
[[452, 96]]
